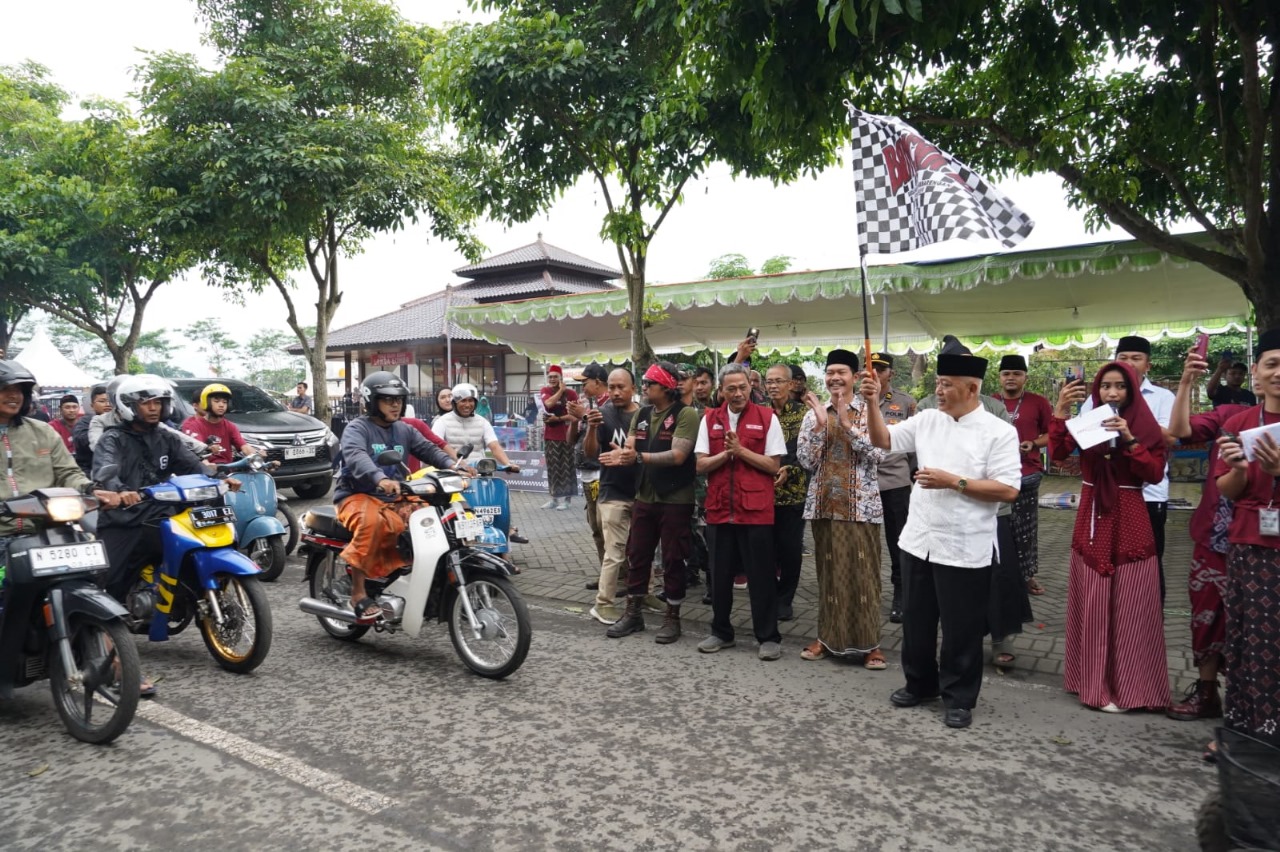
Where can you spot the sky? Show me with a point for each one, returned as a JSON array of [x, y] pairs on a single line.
[[92, 47]]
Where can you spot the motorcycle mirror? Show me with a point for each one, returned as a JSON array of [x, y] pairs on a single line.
[[464, 451], [387, 458]]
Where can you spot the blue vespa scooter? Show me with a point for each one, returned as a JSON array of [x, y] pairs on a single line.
[[260, 534], [488, 497]]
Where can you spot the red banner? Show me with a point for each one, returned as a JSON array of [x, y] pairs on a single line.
[[391, 359]]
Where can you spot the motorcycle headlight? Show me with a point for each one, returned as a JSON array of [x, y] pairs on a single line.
[[169, 495], [64, 509], [453, 484], [204, 492]]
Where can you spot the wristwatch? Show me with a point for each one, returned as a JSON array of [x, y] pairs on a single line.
[[962, 484]]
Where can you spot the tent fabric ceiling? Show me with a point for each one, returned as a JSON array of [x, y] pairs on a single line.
[[1056, 297]]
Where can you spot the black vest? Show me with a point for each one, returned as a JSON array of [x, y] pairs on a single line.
[[665, 479]]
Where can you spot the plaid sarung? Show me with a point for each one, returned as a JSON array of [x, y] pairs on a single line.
[[912, 194]]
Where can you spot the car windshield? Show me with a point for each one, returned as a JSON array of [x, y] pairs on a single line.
[[245, 399]]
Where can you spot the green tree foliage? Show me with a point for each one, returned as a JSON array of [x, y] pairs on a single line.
[[211, 341], [605, 89], [270, 366], [72, 190], [310, 137], [1152, 113], [737, 266]]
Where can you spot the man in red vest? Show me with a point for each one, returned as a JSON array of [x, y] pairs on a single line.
[[739, 448]]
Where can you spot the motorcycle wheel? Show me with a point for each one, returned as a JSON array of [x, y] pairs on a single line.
[[331, 582], [96, 702], [241, 643], [504, 622], [291, 528], [268, 554]]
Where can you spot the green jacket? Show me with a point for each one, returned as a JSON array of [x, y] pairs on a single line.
[[39, 460]]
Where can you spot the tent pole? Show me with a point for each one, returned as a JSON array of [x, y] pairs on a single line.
[[448, 343]]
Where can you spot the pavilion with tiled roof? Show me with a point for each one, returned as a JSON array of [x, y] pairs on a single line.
[[415, 341]]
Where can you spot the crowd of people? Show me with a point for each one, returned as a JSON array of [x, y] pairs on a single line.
[[953, 481]]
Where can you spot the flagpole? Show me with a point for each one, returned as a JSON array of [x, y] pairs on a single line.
[[862, 259]]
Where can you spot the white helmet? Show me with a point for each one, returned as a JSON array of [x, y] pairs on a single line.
[[137, 389], [465, 390]]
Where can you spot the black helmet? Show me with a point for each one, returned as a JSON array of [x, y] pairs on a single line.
[[13, 373], [133, 390], [381, 383]]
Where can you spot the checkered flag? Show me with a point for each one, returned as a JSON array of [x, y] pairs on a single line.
[[911, 193]]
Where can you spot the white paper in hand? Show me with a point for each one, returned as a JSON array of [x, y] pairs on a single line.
[[1249, 438], [1087, 428]]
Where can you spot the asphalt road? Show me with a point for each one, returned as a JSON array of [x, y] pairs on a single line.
[[391, 742]]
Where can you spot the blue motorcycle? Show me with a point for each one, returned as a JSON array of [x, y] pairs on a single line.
[[260, 533], [202, 577], [490, 499]]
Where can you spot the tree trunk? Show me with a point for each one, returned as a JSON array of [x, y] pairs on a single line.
[[10, 316], [641, 352]]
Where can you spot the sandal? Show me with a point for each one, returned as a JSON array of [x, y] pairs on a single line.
[[1210, 754], [368, 611], [815, 651], [147, 689], [1034, 587], [875, 661], [1003, 659]]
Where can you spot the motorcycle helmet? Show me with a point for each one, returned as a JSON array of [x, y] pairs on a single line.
[[13, 373], [138, 389], [381, 383], [114, 385], [465, 390], [214, 390]]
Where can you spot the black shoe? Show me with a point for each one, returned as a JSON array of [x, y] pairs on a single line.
[[958, 717], [516, 538], [785, 613], [895, 610], [620, 593], [593, 586], [903, 698]]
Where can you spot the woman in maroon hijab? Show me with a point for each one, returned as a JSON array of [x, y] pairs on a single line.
[[1115, 658]]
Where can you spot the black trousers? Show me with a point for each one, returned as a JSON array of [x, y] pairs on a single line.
[[743, 549], [958, 599], [1158, 512], [895, 501], [129, 550], [788, 549]]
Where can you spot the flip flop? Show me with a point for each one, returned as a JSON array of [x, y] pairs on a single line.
[[368, 611], [147, 690], [1034, 588]]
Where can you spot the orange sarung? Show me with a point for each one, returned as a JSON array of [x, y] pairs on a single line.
[[375, 527]]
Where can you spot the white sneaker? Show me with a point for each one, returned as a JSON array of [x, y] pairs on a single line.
[[1112, 707], [550, 504], [605, 614]]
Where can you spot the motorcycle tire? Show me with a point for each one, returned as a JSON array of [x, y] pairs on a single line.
[[268, 554], [102, 650], [244, 605], [1211, 828], [291, 528], [330, 582], [505, 619]]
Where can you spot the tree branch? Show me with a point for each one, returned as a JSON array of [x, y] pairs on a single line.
[[1255, 215]]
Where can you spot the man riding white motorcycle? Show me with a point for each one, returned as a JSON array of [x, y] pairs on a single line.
[[368, 497]]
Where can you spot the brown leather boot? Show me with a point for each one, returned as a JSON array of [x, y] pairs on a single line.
[[670, 629], [1202, 701], [632, 620]]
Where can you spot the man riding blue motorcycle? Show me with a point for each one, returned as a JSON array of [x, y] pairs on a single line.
[[368, 497]]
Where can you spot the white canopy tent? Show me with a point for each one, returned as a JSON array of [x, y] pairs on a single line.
[[51, 368], [1056, 297]]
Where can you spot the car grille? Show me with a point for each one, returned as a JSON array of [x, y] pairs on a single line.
[[276, 445]]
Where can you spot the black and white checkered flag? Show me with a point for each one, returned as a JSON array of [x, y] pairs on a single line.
[[911, 193]]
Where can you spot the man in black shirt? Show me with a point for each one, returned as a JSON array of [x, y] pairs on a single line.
[[1233, 392], [609, 425]]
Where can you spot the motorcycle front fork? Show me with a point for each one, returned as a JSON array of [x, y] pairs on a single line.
[[56, 618], [460, 583]]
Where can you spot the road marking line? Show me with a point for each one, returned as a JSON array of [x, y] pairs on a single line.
[[326, 783]]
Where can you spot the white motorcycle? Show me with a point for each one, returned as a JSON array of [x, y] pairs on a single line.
[[450, 579]]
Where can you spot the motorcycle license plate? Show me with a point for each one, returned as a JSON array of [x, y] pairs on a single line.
[[468, 528], [299, 452], [211, 516], [67, 557]]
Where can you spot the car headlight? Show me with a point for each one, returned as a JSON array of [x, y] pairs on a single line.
[[64, 509], [330, 439]]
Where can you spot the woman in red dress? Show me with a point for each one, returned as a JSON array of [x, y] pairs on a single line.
[[1115, 658]]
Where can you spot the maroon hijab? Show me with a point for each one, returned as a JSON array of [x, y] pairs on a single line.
[[1142, 423]]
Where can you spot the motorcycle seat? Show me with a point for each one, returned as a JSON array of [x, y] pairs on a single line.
[[324, 520]]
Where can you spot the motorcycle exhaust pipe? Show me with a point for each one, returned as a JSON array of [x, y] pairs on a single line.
[[313, 606]]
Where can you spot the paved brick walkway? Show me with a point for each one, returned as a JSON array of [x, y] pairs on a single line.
[[561, 558]]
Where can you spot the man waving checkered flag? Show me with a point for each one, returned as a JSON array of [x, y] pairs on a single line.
[[912, 194]]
